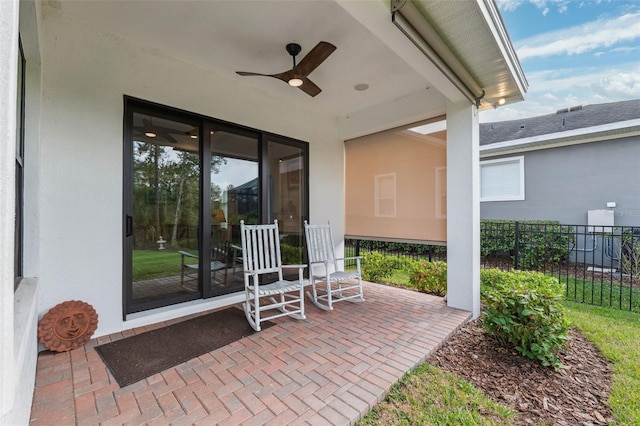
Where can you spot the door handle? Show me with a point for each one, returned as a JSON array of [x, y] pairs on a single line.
[[128, 226]]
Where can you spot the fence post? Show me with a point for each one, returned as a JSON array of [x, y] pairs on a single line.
[[516, 257], [357, 248]]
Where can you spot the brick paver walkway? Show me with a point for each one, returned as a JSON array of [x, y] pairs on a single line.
[[329, 369]]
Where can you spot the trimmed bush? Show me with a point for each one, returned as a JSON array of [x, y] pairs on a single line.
[[412, 249], [524, 310], [291, 255], [429, 277], [377, 266], [541, 242]]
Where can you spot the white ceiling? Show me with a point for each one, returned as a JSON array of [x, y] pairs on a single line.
[[230, 36]]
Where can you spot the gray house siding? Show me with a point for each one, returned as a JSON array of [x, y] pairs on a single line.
[[563, 183]]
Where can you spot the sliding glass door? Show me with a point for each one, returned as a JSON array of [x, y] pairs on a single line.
[[189, 181], [287, 196], [162, 224], [235, 196]]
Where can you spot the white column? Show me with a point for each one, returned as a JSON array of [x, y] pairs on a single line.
[[463, 208], [8, 84]]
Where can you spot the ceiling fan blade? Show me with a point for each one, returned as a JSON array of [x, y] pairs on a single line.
[[309, 87], [284, 76], [244, 74], [314, 58]]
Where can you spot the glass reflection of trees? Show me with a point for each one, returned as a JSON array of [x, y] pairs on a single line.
[[166, 195]]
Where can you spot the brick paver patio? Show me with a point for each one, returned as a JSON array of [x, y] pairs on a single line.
[[329, 369]]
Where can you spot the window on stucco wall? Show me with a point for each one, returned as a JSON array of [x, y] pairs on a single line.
[[19, 169], [502, 179]]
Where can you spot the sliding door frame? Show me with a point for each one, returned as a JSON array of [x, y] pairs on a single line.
[[205, 125]]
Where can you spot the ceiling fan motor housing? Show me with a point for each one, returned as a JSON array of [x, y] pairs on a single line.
[[293, 49]]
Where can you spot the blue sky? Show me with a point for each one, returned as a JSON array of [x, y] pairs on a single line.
[[573, 52]]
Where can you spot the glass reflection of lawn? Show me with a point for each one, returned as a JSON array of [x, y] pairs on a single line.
[[151, 264]]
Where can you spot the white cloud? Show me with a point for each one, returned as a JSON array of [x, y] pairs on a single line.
[[591, 36], [552, 90], [543, 5], [509, 5], [625, 49]]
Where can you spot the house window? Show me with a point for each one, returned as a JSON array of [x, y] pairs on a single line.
[[19, 190], [502, 179], [385, 186]]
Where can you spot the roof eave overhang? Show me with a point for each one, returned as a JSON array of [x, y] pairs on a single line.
[[413, 23]]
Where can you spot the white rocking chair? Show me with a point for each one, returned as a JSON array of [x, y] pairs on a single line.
[[321, 252], [261, 258]]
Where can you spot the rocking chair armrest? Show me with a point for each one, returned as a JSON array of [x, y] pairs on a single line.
[[349, 258], [294, 266]]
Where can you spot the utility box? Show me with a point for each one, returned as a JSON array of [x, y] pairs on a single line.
[[600, 221]]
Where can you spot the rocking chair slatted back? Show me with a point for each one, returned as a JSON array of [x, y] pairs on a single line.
[[320, 244], [339, 284], [262, 248]]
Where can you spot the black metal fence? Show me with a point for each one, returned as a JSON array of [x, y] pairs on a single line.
[[599, 265], [358, 247]]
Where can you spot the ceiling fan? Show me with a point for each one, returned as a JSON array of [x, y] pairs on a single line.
[[297, 76]]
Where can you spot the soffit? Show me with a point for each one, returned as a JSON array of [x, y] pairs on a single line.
[[230, 36], [475, 34]]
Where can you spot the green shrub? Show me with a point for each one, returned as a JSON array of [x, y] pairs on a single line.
[[377, 266], [541, 242], [490, 279], [524, 310], [429, 277], [291, 255], [630, 253], [413, 249]]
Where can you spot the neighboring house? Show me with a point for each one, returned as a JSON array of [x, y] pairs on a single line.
[[124, 125], [561, 166]]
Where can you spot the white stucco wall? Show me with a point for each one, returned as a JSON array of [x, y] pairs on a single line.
[[8, 87], [85, 74], [463, 208]]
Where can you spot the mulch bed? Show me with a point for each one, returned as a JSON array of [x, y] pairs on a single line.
[[576, 395]]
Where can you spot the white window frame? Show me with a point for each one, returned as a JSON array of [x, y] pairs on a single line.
[[382, 196], [518, 197]]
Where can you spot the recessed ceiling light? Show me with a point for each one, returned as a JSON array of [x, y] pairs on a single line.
[[502, 101], [150, 134], [360, 87]]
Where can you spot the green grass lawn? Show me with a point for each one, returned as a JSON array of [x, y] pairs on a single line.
[[150, 264], [429, 396], [602, 293]]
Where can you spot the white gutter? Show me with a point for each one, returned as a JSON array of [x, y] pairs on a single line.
[[492, 15], [620, 129]]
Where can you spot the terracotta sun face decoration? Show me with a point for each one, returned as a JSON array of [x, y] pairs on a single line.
[[67, 326]]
